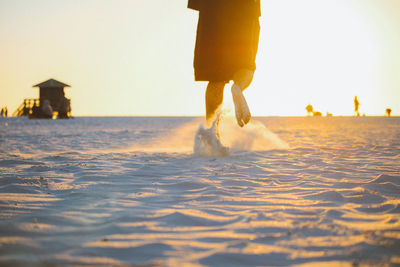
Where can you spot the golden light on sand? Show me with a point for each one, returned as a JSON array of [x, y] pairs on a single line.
[[21, 197], [17, 240], [70, 195]]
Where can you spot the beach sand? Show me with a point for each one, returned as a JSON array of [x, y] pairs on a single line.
[[129, 191]]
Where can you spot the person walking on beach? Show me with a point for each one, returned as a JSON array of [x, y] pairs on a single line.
[[226, 47], [356, 105]]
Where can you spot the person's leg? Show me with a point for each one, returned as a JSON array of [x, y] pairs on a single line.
[[214, 98], [242, 79]]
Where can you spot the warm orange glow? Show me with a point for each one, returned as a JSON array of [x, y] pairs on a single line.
[[129, 58], [36, 227], [21, 197], [90, 260], [17, 240]]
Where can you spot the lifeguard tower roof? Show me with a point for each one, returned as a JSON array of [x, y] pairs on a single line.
[[51, 83]]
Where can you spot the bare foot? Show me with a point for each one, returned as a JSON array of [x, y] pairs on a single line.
[[242, 111]]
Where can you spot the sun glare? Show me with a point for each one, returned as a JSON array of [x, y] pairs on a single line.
[[318, 52]]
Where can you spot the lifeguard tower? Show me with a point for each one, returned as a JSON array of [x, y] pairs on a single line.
[[52, 102]]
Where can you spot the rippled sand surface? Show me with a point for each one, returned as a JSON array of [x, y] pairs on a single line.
[[130, 191]]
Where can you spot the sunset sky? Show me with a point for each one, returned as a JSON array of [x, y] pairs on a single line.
[[134, 57]]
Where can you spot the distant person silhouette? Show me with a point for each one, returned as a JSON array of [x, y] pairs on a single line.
[[388, 111], [46, 109], [64, 108], [226, 48], [26, 109], [356, 105]]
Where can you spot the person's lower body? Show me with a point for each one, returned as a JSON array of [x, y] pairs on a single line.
[[215, 94], [226, 48]]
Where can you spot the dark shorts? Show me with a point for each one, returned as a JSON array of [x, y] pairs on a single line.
[[226, 42]]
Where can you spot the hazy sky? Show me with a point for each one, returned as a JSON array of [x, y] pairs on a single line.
[[134, 57]]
